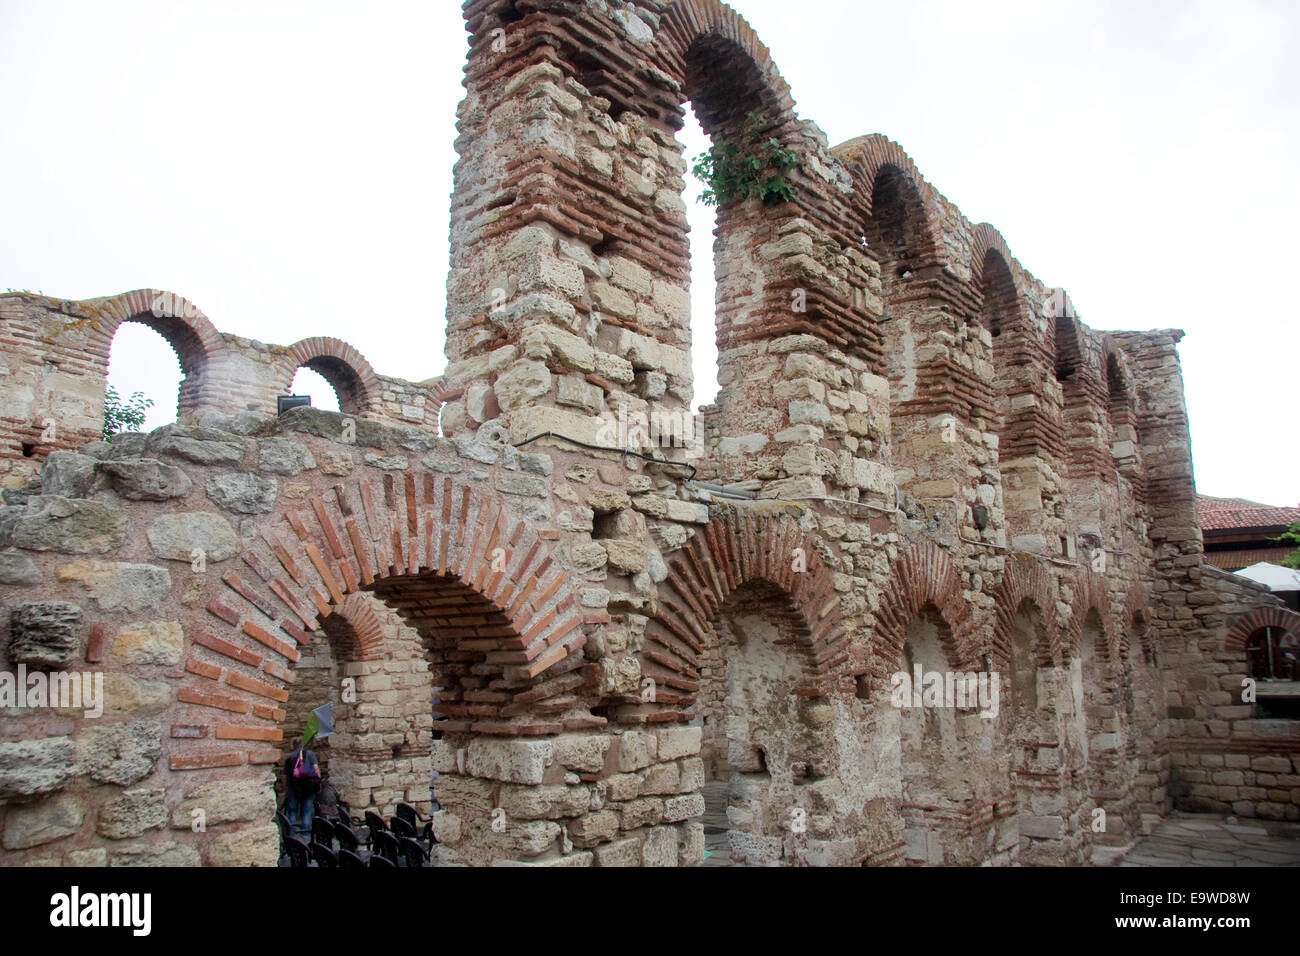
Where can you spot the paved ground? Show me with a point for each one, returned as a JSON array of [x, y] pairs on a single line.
[[1196, 839]]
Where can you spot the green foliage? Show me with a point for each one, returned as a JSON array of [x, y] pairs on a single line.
[[753, 167], [1291, 536], [123, 415]]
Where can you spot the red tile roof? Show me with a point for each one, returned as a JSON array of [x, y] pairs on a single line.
[[1223, 514]]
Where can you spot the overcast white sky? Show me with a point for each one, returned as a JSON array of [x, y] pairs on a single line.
[[287, 166]]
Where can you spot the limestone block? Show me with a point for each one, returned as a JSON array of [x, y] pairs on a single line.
[[675, 742], [514, 761], [683, 807], [282, 456], [585, 753], [70, 525], [176, 536], [253, 846], [117, 586], [18, 568], [660, 848], [132, 813], [226, 801], [32, 767], [122, 753], [522, 383], [157, 854], [150, 642], [35, 824], [68, 474], [636, 750], [625, 852], [124, 694]]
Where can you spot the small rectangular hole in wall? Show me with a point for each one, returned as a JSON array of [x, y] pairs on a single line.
[[28, 450]]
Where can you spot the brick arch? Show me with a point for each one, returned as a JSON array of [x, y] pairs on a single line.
[[730, 552], [692, 26], [434, 547], [355, 630], [1023, 579], [346, 369], [1121, 395], [1250, 622], [866, 159], [189, 333], [987, 247], [923, 575], [1089, 595]]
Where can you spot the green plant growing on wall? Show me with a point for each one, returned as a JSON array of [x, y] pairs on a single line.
[[755, 166], [123, 414], [1291, 536]]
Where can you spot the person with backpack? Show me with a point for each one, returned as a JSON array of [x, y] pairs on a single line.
[[301, 784]]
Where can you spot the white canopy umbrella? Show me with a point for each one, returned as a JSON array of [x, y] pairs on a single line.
[[1272, 576]]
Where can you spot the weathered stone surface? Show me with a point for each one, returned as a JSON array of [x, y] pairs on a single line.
[[125, 695], [524, 382], [70, 525], [677, 742], [515, 761], [177, 536], [43, 822], [44, 633], [636, 750], [68, 475], [32, 767], [544, 803], [146, 479], [626, 557], [18, 568], [242, 493], [283, 456], [227, 801], [585, 753], [203, 446], [254, 846], [150, 642], [118, 586], [154, 854], [660, 847], [132, 813], [122, 754]]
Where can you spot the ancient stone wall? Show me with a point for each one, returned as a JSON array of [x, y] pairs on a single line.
[[932, 466]]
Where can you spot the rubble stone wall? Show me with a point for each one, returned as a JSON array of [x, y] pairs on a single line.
[[931, 463]]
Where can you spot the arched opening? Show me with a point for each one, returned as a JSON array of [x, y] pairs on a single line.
[[1034, 738], [894, 236], [1273, 653], [143, 365], [1104, 777], [703, 237], [939, 791], [412, 663], [998, 306], [308, 381], [729, 111], [333, 385], [371, 667], [999, 315], [1069, 355], [756, 746]]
